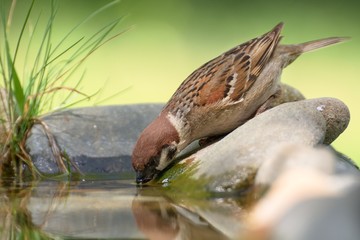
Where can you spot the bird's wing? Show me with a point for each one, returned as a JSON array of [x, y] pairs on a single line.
[[227, 77]]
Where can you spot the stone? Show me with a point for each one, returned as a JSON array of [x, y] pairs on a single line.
[[231, 164], [97, 139], [100, 139], [294, 174], [344, 165], [328, 218], [287, 94], [286, 157], [322, 159], [298, 185]]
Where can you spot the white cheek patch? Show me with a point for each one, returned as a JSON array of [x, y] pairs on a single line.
[[176, 122], [180, 127], [164, 157], [163, 161]]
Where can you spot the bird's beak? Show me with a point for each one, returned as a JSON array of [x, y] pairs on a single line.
[[145, 176], [141, 178]]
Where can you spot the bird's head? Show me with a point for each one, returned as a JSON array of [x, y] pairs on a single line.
[[155, 149]]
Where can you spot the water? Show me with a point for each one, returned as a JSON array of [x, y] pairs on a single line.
[[112, 209]]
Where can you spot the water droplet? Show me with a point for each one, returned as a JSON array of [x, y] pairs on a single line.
[[165, 182]]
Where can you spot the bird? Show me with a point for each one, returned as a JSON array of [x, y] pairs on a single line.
[[218, 97]]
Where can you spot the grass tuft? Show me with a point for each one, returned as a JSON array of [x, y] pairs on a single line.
[[24, 99]]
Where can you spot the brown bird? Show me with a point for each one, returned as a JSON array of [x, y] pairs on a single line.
[[217, 98]]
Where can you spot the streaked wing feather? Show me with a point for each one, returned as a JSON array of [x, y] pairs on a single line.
[[227, 77]]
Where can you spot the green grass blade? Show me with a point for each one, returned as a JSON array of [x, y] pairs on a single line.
[[3, 73], [91, 16], [63, 52], [22, 30], [88, 47], [31, 39], [44, 73], [76, 86], [18, 92], [78, 101], [17, 89], [40, 59], [100, 101]]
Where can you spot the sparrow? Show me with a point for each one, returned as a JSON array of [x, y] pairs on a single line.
[[218, 97]]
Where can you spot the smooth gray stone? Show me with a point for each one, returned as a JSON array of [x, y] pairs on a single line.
[[295, 156], [289, 157], [345, 165], [97, 139], [328, 218], [232, 162]]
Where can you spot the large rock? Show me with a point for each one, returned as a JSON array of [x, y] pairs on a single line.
[[330, 218], [97, 139], [301, 176], [232, 163]]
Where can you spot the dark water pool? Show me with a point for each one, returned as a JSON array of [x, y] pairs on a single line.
[[112, 209]]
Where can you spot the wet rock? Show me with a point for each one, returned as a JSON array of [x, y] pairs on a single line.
[[231, 163], [286, 157], [287, 94], [312, 195], [294, 174], [328, 218], [344, 165], [100, 139], [97, 139], [278, 211]]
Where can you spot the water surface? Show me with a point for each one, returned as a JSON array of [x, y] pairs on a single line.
[[112, 209]]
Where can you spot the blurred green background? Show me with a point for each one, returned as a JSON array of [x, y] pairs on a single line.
[[168, 39]]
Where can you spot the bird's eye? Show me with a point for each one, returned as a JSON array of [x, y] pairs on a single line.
[[171, 150], [153, 161]]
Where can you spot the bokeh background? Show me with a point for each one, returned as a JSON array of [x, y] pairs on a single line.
[[168, 39]]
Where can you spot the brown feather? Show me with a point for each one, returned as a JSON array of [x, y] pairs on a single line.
[[244, 62]]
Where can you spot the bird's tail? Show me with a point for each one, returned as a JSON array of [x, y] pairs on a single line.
[[313, 45]]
